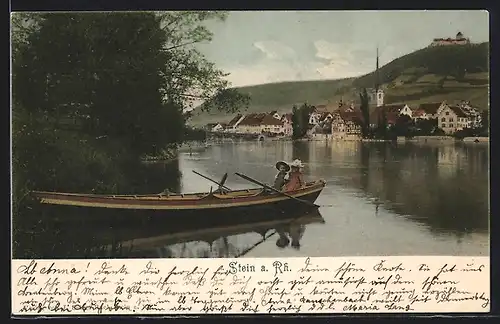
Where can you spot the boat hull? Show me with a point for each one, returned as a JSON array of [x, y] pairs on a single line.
[[125, 210]]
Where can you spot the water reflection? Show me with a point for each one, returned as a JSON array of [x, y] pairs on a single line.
[[212, 242], [443, 186]]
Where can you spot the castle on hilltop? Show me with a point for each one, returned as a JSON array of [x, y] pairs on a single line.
[[458, 40]]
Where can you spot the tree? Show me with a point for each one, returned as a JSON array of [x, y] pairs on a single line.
[[382, 124], [296, 123], [300, 120], [365, 112], [404, 126], [425, 127], [124, 76]]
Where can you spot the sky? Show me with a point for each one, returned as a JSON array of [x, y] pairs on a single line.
[[258, 47]]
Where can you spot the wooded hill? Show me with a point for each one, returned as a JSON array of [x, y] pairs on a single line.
[[431, 74]]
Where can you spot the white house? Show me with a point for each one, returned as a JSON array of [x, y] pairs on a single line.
[[275, 114], [316, 115], [218, 127], [270, 124], [452, 119], [473, 114], [406, 110], [314, 118]]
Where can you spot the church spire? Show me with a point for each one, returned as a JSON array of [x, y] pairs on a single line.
[[377, 80]]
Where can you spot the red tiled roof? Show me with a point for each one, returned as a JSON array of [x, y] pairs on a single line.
[[393, 107], [233, 121], [458, 111], [252, 119], [392, 117], [287, 116], [391, 113], [350, 116], [270, 120], [418, 113], [430, 108]]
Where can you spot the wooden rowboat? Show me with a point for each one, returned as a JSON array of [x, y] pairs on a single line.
[[192, 202]]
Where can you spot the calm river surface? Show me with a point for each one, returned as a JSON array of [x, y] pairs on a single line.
[[380, 198]]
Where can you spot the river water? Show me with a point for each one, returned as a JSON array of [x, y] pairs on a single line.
[[380, 199]]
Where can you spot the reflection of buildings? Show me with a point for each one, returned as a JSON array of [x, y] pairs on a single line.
[[345, 151], [447, 160]]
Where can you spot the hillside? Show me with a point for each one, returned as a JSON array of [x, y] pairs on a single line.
[[451, 73]]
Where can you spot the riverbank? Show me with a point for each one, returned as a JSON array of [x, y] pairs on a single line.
[[477, 139]]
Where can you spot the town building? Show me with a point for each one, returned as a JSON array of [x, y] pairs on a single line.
[[272, 125], [287, 123], [275, 114], [232, 126], [429, 110], [392, 113], [473, 115], [315, 117], [346, 123], [452, 119], [215, 127], [251, 123]]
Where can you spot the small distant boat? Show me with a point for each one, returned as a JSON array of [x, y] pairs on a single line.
[[193, 147]]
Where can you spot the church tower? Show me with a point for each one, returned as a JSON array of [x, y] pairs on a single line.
[[379, 93]]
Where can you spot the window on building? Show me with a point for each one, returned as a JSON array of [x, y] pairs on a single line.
[[443, 119], [450, 119], [447, 113], [451, 125], [444, 125]]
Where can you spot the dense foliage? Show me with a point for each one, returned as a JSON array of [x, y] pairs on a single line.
[[300, 120], [365, 112]]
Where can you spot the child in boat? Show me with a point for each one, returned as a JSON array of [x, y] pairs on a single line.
[[282, 176], [296, 178]]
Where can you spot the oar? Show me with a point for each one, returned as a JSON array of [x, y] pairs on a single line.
[[223, 181], [221, 185], [276, 190], [242, 253]]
